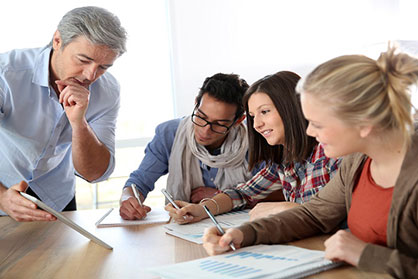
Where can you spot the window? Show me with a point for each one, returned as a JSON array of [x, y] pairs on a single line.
[[144, 73], [174, 45]]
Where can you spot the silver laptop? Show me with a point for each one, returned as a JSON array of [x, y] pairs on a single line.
[[67, 221]]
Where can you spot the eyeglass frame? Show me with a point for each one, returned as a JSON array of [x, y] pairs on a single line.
[[211, 123]]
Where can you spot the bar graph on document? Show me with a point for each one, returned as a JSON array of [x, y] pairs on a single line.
[[237, 271], [277, 261], [227, 269]]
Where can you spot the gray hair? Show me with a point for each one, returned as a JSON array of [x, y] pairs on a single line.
[[98, 25]]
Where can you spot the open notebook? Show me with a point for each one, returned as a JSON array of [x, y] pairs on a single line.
[[261, 261], [113, 219]]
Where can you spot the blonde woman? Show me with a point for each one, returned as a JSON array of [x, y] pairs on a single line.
[[361, 108]]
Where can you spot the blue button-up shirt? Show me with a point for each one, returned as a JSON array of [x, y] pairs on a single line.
[[157, 154], [35, 135]]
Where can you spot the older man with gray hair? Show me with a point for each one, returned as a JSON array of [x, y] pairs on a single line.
[[58, 109]]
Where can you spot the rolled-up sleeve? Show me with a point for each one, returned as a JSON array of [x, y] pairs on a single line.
[[155, 162], [104, 128], [102, 116]]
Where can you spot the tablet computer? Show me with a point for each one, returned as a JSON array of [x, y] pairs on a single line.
[[67, 221]]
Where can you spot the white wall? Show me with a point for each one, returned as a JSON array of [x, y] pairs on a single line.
[[143, 71], [199, 38], [254, 38]]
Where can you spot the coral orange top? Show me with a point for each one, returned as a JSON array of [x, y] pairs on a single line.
[[368, 215]]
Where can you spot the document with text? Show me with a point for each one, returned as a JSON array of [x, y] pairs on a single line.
[[261, 261], [194, 232]]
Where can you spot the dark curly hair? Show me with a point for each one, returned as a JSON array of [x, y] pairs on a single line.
[[228, 88]]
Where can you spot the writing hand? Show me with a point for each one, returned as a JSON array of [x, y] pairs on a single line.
[[130, 209], [188, 212], [214, 243]]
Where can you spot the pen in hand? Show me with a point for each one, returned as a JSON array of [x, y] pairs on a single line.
[[170, 199], [136, 194], [218, 226]]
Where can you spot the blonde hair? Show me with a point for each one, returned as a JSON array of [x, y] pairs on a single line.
[[360, 89]]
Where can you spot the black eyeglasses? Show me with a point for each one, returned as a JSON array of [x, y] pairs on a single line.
[[215, 127]]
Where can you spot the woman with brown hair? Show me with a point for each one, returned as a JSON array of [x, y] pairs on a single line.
[[294, 162], [361, 108]]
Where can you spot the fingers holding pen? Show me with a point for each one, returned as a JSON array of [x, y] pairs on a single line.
[[188, 212], [179, 215], [130, 209], [215, 243]]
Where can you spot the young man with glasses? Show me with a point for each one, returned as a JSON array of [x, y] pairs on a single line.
[[201, 153]]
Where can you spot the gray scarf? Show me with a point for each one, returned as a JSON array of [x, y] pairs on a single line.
[[183, 165]]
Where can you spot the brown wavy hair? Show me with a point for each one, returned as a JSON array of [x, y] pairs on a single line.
[[280, 87]]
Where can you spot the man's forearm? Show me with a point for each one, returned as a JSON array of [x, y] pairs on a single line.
[[90, 156]]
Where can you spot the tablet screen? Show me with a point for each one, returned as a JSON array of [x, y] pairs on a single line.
[[67, 221]]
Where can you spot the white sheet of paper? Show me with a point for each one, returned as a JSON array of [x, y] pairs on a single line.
[[194, 232], [266, 261], [156, 215]]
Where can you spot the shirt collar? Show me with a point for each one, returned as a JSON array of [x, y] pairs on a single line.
[[317, 153], [41, 69]]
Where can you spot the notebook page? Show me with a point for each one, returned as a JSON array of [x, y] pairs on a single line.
[[156, 215]]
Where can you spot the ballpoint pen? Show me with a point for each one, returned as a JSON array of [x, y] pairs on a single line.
[[170, 199], [218, 226], [136, 194]]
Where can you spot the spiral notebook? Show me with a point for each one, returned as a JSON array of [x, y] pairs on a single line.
[[261, 261], [112, 218]]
